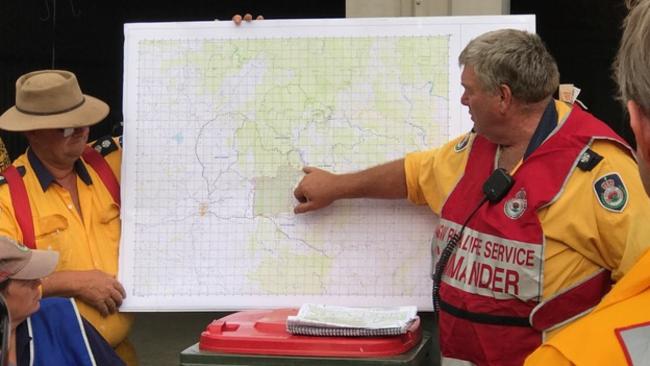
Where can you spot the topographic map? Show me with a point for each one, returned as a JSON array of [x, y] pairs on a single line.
[[220, 121]]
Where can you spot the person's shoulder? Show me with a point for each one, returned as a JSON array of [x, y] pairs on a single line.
[[6, 195], [20, 169], [51, 309], [612, 175], [459, 143], [614, 155], [457, 149], [107, 145]]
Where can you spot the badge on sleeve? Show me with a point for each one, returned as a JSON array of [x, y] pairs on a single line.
[[611, 192]]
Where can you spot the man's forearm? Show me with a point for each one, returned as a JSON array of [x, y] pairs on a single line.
[[383, 181], [63, 283]]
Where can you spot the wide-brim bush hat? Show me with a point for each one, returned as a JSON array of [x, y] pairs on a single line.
[[49, 99]]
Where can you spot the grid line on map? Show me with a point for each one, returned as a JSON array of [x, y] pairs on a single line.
[[235, 157]]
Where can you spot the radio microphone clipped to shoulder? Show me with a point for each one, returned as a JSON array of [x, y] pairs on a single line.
[[497, 185]]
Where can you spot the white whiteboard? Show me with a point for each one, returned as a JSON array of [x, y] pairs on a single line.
[[219, 121]]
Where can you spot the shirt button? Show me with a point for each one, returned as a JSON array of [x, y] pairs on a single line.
[[70, 207]]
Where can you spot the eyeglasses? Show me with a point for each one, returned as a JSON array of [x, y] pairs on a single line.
[[67, 132]]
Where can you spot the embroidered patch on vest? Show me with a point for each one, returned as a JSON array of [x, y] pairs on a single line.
[[588, 160], [516, 206], [462, 144], [105, 145], [611, 192]]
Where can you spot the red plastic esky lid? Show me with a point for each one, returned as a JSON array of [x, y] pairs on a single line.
[[264, 332]]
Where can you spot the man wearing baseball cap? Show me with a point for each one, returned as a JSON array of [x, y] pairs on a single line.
[[63, 195], [31, 340]]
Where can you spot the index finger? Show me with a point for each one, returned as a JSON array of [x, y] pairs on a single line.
[[299, 195], [304, 207]]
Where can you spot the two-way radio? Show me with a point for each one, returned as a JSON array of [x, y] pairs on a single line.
[[495, 188]]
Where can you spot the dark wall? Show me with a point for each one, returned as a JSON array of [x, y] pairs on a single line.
[[583, 36], [87, 36]]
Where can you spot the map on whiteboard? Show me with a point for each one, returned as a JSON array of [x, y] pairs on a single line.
[[220, 120]]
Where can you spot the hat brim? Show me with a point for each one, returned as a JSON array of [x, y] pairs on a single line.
[[41, 264], [89, 113]]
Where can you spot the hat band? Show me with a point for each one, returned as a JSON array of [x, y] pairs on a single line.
[[83, 99]]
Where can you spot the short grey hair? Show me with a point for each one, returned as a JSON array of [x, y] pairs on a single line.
[[632, 63], [516, 58]]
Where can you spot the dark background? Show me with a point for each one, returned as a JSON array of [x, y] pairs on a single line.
[[88, 39], [583, 36]]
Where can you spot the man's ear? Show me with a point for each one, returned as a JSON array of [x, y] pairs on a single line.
[[640, 124], [505, 95]]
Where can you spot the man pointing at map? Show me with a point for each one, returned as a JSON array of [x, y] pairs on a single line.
[[535, 205]]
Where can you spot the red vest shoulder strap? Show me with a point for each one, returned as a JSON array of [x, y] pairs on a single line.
[[20, 201], [99, 164]]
